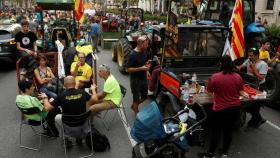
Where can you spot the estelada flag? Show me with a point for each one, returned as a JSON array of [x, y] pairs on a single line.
[[236, 24], [79, 10]]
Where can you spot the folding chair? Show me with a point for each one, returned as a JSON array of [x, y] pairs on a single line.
[[31, 123], [120, 110], [69, 122]]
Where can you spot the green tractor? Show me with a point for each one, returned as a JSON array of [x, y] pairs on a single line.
[[133, 21], [62, 29]]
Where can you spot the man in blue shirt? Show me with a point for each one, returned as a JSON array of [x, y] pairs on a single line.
[[95, 32]]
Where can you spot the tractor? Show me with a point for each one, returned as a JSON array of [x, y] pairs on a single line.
[[132, 30], [62, 29], [198, 49]]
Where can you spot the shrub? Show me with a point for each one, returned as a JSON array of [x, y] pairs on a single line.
[[273, 34]]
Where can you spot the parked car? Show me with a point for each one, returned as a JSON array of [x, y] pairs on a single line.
[[8, 29]]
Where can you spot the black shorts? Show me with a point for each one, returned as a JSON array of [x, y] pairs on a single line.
[[139, 89]]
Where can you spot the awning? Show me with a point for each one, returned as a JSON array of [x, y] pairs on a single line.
[[56, 4]]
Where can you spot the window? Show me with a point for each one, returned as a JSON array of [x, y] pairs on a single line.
[[269, 4]]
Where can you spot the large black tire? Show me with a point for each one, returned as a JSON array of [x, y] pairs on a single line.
[[273, 83], [124, 48], [114, 52]]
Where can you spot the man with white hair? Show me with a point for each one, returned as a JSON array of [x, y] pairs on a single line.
[[111, 95], [138, 67]]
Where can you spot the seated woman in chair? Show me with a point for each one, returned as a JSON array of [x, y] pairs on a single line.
[[25, 101], [111, 95], [44, 75], [81, 71]]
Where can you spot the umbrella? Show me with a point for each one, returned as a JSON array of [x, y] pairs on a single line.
[[254, 28]]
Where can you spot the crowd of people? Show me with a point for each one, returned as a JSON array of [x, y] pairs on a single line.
[[226, 85], [73, 100]]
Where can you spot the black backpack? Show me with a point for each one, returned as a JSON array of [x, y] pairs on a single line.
[[100, 141]]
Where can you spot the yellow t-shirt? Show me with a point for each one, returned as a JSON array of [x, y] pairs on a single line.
[[264, 55], [84, 72]]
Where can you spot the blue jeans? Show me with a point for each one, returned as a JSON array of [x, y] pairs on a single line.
[[49, 93]]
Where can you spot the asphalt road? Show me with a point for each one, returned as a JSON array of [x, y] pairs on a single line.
[[259, 143]]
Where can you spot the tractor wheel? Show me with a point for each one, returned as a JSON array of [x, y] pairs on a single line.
[[124, 48], [114, 51], [273, 83]]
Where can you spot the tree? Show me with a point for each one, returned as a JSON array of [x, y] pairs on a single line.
[[273, 34]]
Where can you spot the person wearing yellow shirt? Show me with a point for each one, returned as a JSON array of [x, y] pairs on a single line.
[[81, 71], [264, 54]]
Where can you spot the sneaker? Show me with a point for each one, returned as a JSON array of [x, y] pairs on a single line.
[[224, 156], [49, 134], [150, 92], [23, 71], [206, 155], [260, 123]]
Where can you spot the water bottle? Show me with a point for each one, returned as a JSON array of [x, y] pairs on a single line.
[[185, 92], [194, 77]]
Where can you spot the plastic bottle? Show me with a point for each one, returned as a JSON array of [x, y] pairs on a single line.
[[264, 94], [194, 77], [185, 92]]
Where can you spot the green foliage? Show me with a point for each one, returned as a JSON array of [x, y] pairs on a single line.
[[154, 17], [273, 34]]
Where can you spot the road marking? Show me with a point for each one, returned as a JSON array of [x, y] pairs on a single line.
[[127, 128], [273, 125]]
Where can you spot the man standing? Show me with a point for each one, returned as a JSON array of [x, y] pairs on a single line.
[[26, 43], [81, 71], [258, 68], [138, 68], [95, 32], [111, 95]]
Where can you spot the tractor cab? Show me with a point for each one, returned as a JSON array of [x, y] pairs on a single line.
[[133, 18], [61, 29]]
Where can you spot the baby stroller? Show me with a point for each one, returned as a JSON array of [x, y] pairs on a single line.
[[165, 138]]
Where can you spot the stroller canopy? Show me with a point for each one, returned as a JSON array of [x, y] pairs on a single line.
[[148, 124]]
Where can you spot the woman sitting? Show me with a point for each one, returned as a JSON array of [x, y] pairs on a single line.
[[43, 76]]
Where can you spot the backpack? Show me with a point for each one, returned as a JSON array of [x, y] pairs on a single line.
[[100, 141]]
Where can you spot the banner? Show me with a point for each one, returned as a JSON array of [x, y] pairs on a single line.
[[171, 43]]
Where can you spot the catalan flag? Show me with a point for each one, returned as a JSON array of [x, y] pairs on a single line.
[[79, 10], [236, 23]]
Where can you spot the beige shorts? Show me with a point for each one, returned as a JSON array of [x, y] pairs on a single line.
[[105, 105]]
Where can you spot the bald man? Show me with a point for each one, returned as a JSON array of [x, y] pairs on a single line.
[[72, 101]]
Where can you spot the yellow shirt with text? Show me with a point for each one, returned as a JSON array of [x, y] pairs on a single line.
[[84, 72]]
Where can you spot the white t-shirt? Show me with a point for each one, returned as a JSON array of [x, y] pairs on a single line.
[[261, 67]]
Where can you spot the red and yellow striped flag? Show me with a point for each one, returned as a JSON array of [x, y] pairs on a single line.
[[237, 40], [79, 10]]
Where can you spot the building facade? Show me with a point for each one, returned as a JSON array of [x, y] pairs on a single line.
[[268, 10]]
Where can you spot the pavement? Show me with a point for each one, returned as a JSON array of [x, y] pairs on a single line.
[[257, 143]]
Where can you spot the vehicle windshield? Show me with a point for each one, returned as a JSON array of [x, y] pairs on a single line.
[[197, 42], [6, 21], [222, 10]]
